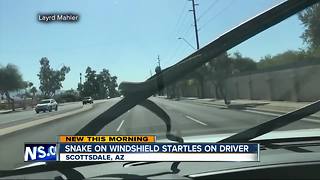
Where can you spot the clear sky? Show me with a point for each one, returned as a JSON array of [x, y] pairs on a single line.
[[125, 36]]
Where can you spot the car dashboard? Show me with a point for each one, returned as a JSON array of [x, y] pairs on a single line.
[[281, 158]]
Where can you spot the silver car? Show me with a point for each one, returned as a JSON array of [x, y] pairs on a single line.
[[46, 105]]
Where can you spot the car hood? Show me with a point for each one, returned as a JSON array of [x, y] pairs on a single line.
[[161, 170]]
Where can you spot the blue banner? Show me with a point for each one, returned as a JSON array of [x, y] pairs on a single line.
[[40, 152], [158, 148]]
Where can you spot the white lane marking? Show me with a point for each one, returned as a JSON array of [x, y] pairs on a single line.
[[272, 114], [259, 112], [118, 129], [196, 120]]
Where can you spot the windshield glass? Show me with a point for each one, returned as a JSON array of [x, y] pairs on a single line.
[[45, 102], [74, 49]]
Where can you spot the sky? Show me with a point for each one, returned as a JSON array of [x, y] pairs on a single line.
[[126, 36]]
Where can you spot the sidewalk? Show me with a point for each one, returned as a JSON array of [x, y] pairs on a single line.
[[278, 107], [6, 111]]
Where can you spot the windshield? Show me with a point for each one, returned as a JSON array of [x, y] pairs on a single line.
[[69, 50], [45, 102]]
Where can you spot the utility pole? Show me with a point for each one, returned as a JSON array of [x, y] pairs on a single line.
[[195, 22], [158, 71], [159, 61], [158, 68]]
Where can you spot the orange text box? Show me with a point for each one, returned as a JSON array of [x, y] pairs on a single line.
[[108, 139]]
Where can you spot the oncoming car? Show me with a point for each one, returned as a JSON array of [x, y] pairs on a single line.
[[46, 105], [87, 100]]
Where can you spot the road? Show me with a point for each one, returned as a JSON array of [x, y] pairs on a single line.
[[187, 119], [9, 119]]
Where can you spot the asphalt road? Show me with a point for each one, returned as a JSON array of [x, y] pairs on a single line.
[[11, 118], [187, 119]]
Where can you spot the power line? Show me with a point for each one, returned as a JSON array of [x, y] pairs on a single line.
[[187, 42], [181, 49], [173, 53], [179, 24], [182, 23], [216, 15], [182, 34], [180, 16], [187, 31], [180, 19], [177, 44], [177, 47], [207, 10]]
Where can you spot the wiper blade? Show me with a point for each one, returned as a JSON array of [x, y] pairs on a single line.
[[276, 123]]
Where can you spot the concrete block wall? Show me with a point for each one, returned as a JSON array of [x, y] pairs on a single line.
[[295, 84]]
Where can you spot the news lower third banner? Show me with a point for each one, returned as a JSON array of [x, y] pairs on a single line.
[[138, 148]]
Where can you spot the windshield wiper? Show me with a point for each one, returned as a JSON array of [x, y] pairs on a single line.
[[137, 93], [276, 123]]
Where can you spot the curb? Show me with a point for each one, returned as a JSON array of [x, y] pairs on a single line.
[[19, 127], [280, 112], [10, 111], [248, 108]]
